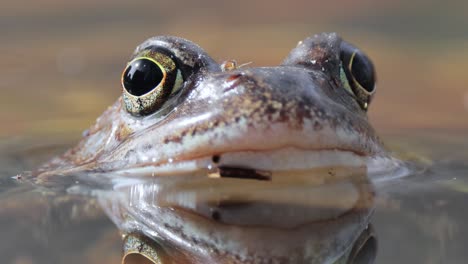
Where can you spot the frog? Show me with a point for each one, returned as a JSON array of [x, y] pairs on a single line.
[[235, 154]]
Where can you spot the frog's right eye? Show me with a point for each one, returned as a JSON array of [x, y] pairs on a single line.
[[148, 81], [357, 74]]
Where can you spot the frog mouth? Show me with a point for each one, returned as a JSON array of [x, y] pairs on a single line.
[[243, 173], [283, 165], [251, 164], [263, 165]]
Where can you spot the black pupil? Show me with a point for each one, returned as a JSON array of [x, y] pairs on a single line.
[[142, 76], [363, 71]]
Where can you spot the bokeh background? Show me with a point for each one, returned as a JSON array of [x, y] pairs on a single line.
[[61, 60]]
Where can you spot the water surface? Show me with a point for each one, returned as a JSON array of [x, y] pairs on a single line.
[[61, 65]]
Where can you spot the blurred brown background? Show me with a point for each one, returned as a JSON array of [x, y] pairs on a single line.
[[61, 60], [61, 63]]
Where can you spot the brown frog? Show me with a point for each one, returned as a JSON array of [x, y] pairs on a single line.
[[218, 163]]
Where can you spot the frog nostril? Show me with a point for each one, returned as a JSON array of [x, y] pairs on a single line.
[[216, 215], [216, 158]]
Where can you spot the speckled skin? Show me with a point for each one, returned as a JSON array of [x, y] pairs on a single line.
[[300, 103]]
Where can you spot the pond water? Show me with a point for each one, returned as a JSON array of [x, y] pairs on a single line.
[[61, 66], [419, 218]]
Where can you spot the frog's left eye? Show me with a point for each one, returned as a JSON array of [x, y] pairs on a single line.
[[357, 74], [148, 81]]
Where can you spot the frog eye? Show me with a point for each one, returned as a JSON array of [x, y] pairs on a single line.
[[357, 74], [148, 81], [364, 250], [143, 250]]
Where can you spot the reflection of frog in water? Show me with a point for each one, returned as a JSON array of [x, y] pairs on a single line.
[[261, 151]]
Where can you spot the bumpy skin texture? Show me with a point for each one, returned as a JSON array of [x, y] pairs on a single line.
[[299, 104]]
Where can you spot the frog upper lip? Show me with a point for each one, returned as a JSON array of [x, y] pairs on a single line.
[[250, 164], [256, 165]]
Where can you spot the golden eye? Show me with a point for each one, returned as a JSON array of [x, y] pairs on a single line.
[[357, 74], [142, 76], [143, 250], [148, 81]]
